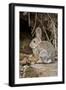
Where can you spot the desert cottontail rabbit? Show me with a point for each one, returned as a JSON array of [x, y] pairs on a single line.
[[43, 50]]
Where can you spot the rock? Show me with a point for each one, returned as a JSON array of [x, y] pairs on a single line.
[[30, 72], [25, 61], [32, 59]]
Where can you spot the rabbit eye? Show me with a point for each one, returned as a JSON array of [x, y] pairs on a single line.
[[34, 41]]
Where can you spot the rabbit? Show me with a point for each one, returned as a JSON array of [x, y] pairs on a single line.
[[43, 50]]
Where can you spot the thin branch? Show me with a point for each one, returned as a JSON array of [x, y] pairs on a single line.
[[54, 28], [29, 19], [34, 24], [44, 29]]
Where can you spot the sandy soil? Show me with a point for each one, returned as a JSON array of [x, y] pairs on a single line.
[[39, 70]]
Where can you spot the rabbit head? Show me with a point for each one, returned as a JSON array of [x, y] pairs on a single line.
[[34, 43]]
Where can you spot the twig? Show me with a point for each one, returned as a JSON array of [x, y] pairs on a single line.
[[44, 29], [34, 24], [54, 28], [29, 19]]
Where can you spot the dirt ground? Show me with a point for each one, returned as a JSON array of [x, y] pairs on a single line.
[[39, 70]]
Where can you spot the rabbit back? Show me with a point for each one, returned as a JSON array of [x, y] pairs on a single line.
[[48, 47]]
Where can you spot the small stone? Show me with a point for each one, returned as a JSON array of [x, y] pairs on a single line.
[[25, 61]]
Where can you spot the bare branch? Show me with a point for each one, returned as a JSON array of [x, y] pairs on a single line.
[[34, 24], [54, 29], [29, 19], [44, 29]]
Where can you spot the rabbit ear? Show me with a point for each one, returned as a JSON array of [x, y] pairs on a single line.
[[38, 32]]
